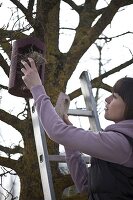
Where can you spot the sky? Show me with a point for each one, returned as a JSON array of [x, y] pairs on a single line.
[[117, 51]]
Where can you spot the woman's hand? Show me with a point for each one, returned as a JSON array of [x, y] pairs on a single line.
[[31, 76], [66, 120]]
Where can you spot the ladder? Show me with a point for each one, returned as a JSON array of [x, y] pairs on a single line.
[[62, 107], [91, 110]]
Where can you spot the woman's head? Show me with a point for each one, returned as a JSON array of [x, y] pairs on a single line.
[[120, 104], [124, 88]]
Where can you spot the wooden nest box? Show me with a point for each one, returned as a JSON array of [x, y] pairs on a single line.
[[21, 50]]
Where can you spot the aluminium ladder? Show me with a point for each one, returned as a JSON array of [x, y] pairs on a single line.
[[91, 110], [62, 107]]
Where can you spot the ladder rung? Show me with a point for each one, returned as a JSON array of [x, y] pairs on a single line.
[[62, 158], [80, 112]]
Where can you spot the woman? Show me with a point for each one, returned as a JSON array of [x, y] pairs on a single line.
[[110, 176]]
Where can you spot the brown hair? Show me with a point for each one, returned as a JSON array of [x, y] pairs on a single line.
[[124, 88]]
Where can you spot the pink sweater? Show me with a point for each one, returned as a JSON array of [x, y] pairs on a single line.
[[109, 144]]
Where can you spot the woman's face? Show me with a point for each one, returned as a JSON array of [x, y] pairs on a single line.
[[115, 108]]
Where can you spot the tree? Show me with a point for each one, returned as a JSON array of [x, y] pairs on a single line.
[[41, 19]]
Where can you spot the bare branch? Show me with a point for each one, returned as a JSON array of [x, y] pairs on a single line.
[[13, 121], [13, 35], [9, 151], [30, 5], [20, 6], [97, 82], [6, 47], [4, 65], [3, 87], [27, 14], [74, 6], [114, 70], [127, 2], [101, 85], [108, 39], [10, 163]]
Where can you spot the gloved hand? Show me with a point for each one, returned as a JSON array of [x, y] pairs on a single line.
[[31, 76]]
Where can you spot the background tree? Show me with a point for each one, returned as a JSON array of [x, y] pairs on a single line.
[[41, 19]]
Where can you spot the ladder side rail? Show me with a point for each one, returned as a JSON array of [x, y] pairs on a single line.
[[89, 100], [43, 157]]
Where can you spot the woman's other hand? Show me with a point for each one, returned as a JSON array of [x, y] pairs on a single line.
[[66, 120]]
